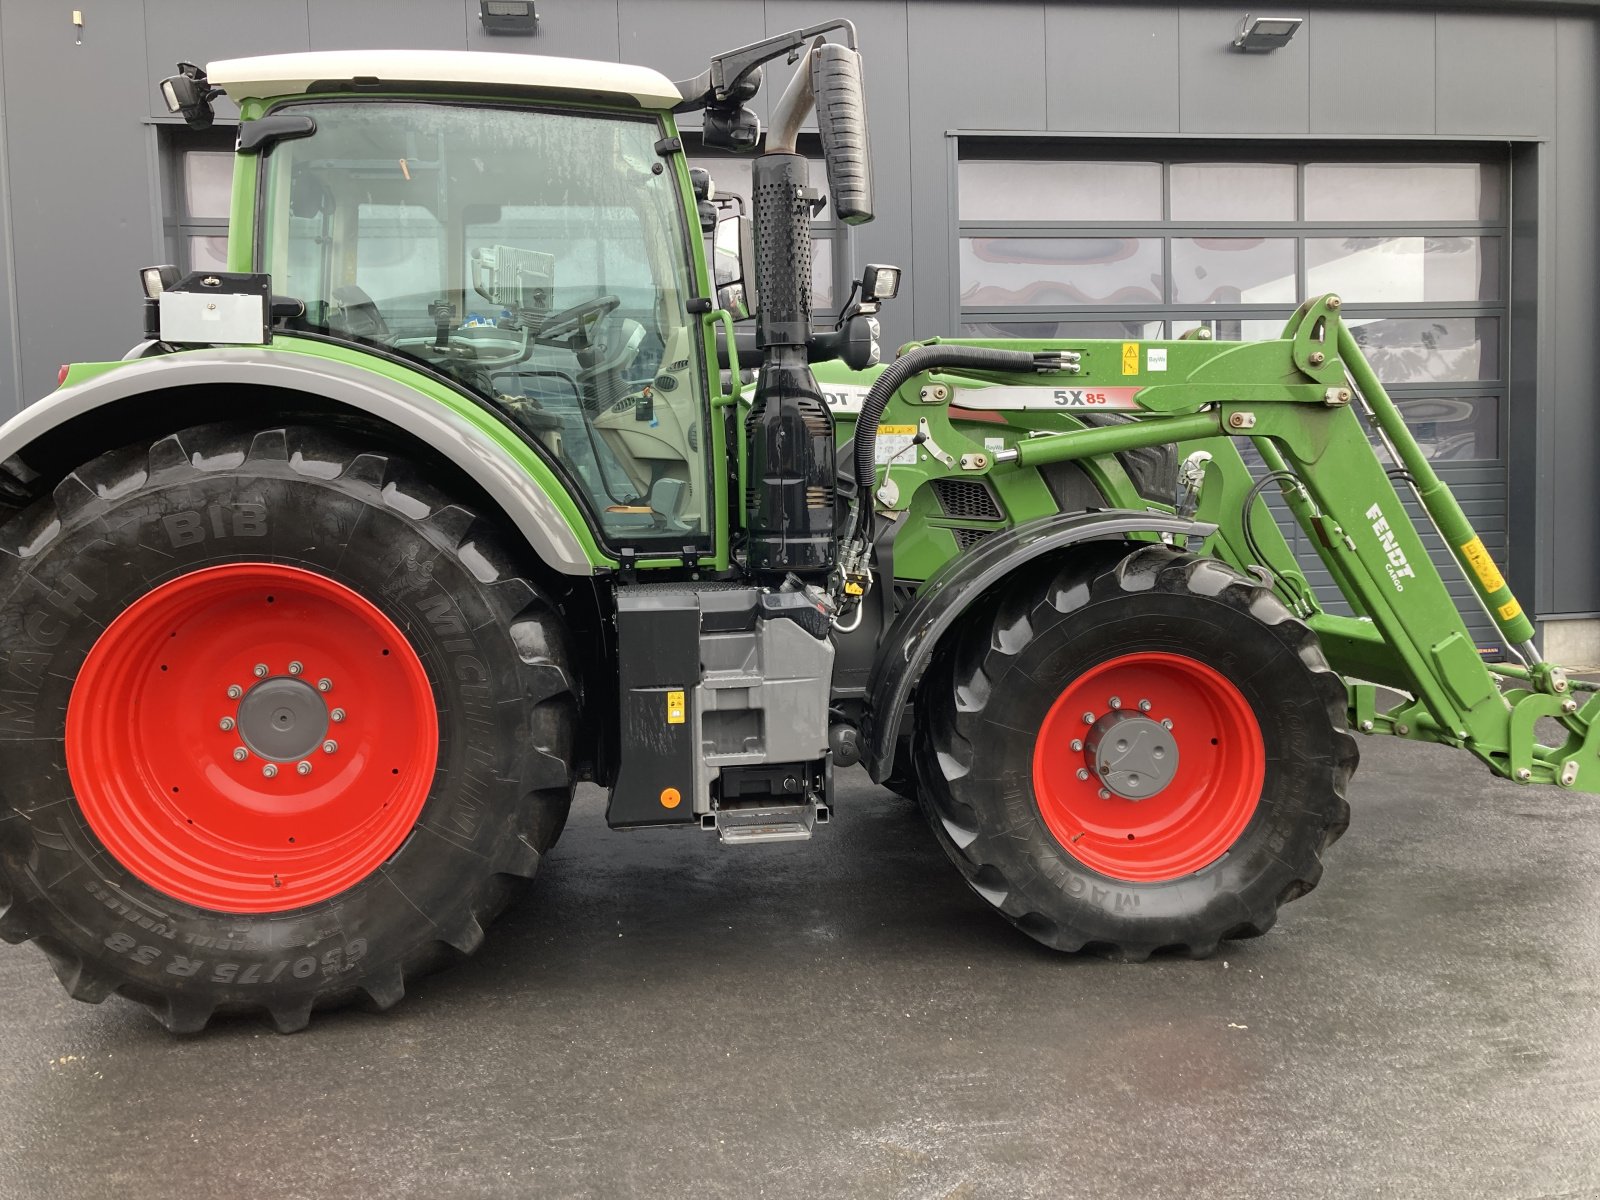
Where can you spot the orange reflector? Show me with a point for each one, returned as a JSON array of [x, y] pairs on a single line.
[[61, 375], [670, 798]]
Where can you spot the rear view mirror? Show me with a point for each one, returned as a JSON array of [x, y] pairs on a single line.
[[732, 266]]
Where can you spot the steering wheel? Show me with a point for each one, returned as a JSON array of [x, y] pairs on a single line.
[[570, 320]]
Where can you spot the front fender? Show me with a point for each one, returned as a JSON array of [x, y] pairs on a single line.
[[513, 476], [910, 642]]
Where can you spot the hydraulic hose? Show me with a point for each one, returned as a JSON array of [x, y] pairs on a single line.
[[923, 358]]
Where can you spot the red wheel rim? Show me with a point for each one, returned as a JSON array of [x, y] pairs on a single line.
[[1193, 819], [321, 692]]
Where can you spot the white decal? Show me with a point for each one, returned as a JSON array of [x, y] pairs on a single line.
[[1155, 359], [1397, 566], [844, 399], [1026, 399]]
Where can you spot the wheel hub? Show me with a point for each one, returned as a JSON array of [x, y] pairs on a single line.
[[213, 772], [282, 719], [1134, 756]]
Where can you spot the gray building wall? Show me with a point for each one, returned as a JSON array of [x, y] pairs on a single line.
[[80, 189]]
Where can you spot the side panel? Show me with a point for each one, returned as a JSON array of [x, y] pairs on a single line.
[[906, 651], [513, 475]]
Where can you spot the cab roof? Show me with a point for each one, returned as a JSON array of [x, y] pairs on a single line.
[[271, 75]]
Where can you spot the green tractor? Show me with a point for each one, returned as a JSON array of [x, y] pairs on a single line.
[[453, 492]]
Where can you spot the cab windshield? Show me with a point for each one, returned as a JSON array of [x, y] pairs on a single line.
[[538, 258]]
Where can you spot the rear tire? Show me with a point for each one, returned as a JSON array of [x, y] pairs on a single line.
[[1256, 760], [441, 789]]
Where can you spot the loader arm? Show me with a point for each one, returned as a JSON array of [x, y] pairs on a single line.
[[1302, 401]]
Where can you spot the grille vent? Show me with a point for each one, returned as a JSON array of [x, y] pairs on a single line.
[[966, 539], [967, 500]]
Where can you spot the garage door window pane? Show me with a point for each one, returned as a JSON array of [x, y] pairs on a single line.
[[1402, 192], [1232, 329], [207, 183], [822, 274], [1020, 190], [1392, 270], [208, 254], [1454, 428], [1055, 272], [1071, 330], [1233, 271], [1232, 191], [1430, 349]]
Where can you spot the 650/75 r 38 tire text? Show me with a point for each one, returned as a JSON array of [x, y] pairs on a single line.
[[280, 726], [1136, 751]]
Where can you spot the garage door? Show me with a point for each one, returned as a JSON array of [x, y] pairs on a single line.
[[1052, 246]]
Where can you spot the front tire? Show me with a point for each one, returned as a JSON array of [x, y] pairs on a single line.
[[281, 726], [1135, 752]]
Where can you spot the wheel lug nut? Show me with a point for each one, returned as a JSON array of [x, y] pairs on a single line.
[[1104, 795], [1144, 706], [295, 668], [303, 768], [234, 691], [1088, 718], [226, 724], [330, 747], [324, 684], [1083, 774], [270, 770], [1077, 744], [337, 715], [260, 671], [240, 754], [1116, 702], [1166, 722]]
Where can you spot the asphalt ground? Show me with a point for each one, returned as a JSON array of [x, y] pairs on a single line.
[[665, 1016]]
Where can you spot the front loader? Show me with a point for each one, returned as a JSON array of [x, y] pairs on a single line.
[[450, 493]]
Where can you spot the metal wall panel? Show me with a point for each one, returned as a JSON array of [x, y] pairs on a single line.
[[78, 182], [1222, 90], [961, 79], [1496, 74], [1371, 75], [181, 29], [10, 366], [678, 39], [1574, 551], [1113, 68], [392, 24], [567, 28]]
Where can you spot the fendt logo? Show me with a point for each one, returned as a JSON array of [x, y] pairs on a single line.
[[1397, 565]]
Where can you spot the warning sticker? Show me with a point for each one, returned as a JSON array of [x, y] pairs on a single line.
[[1130, 358], [1155, 358], [894, 444], [1483, 566], [675, 708]]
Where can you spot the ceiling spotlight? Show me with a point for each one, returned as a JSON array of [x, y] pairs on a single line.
[[1261, 34]]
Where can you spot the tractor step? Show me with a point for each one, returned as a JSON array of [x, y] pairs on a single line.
[[767, 823]]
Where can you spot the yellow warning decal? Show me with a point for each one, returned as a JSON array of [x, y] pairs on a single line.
[[675, 708], [1130, 358], [1483, 566], [1510, 609]]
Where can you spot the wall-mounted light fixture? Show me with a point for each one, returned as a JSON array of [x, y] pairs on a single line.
[[515, 18], [1261, 34]]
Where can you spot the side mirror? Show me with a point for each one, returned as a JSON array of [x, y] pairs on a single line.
[[732, 265]]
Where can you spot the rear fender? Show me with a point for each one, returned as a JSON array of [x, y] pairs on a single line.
[[563, 545], [950, 593]]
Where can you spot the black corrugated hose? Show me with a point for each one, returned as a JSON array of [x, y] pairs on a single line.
[[923, 358]]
